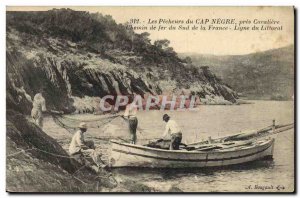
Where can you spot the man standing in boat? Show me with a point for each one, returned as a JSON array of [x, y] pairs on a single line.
[[172, 132], [130, 115]]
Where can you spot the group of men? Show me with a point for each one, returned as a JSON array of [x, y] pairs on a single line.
[[80, 148]]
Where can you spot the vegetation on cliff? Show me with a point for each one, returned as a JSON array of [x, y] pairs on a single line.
[[77, 54]]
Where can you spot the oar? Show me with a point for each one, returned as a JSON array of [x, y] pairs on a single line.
[[259, 131]]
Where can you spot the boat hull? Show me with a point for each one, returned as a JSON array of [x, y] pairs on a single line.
[[128, 155]]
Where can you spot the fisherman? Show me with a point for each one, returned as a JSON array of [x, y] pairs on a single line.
[[81, 148], [130, 114], [172, 132], [39, 107]]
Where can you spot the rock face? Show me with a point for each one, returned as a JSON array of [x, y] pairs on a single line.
[[35, 162], [27, 168], [77, 54]]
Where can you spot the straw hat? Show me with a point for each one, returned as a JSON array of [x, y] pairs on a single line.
[[82, 125]]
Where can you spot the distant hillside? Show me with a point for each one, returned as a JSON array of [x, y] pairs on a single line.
[[261, 75]]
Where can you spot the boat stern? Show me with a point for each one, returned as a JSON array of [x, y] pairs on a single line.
[[270, 150]]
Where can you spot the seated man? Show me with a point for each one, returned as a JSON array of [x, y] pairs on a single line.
[[80, 148], [172, 132]]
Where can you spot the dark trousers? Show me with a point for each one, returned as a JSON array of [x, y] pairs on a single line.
[[175, 141], [133, 122]]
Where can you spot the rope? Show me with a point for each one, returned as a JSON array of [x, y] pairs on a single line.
[[79, 169], [53, 154], [43, 151], [23, 151], [16, 153], [110, 178], [79, 179], [59, 123]]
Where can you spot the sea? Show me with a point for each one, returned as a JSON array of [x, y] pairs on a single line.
[[206, 121]]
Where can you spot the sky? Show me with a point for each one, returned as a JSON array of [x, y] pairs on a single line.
[[205, 42]]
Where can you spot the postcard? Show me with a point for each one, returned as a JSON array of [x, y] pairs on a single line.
[[150, 99]]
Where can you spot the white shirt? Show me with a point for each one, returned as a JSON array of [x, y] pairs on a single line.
[[130, 111], [77, 142], [171, 128], [39, 102]]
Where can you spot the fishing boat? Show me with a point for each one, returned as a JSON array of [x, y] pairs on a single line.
[[129, 155], [230, 150]]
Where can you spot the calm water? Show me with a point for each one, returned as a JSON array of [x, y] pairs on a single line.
[[216, 121]]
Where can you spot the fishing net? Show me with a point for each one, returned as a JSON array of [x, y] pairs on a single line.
[[71, 124]]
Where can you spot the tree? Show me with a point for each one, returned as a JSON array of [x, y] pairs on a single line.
[[145, 38], [188, 60], [141, 42], [162, 44]]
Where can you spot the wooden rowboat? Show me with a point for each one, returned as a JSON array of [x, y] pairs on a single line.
[[129, 155], [223, 151]]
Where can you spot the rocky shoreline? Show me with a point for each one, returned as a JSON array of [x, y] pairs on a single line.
[[28, 168]]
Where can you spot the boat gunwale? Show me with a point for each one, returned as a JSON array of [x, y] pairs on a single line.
[[267, 141], [197, 160]]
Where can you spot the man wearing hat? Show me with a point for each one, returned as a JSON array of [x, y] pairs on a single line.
[[172, 132], [79, 147]]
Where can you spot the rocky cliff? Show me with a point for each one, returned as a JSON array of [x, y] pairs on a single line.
[[35, 162], [27, 168], [73, 55]]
